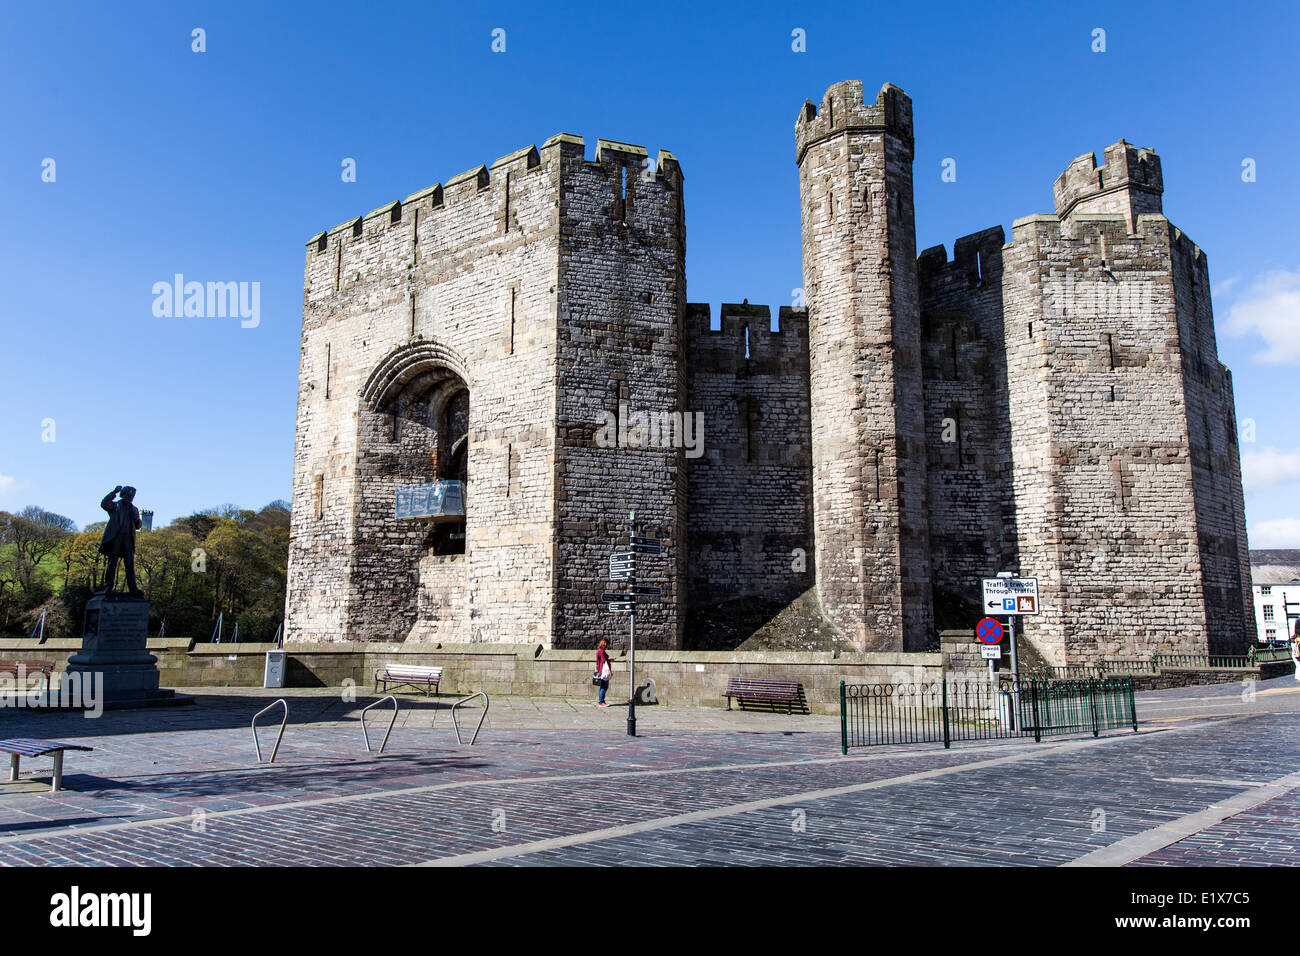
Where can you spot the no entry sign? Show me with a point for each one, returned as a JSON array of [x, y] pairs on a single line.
[[989, 631]]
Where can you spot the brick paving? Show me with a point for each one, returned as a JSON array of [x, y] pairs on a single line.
[[1266, 835], [181, 787]]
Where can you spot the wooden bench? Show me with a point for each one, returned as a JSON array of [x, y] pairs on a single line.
[[28, 668], [410, 674], [788, 692], [20, 747]]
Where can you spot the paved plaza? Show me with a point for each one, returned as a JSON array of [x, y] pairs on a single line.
[[1212, 778]]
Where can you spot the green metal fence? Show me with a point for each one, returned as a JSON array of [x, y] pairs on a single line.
[[1099, 670], [1265, 655], [1117, 667], [935, 711], [1207, 661]]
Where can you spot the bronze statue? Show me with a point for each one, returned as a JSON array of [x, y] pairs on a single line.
[[119, 537]]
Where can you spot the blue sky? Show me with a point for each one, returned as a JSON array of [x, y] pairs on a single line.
[[220, 165]]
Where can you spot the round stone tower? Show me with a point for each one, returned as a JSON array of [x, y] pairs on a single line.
[[860, 284]]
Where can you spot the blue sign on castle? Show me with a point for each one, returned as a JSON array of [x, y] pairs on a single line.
[[432, 499]]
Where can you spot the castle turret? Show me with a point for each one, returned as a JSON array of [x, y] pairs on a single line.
[[1130, 184], [860, 282]]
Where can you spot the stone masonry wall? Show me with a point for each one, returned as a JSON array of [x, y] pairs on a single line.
[[621, 306], [1106, 516], [1053, 406], [1215, 458], [458, 278], [868, 428], [749, 504], [972, 509]]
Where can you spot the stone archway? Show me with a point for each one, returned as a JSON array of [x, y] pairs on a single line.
[[413, 465]]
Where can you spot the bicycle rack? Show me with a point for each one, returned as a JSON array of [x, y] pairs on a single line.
[[275, 750], [390, 723], [483, 717]]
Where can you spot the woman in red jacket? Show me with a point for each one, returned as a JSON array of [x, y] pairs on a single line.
[[604, 666]]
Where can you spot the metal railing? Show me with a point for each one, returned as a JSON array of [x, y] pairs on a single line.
[[1266, 655], [278, 737], [1077, 706], [1099, 669], [944, 711], [366, 735], [1208, 661], [1115, 668], [482, 717]]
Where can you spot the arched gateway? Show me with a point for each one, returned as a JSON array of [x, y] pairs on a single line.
[[413, 457]]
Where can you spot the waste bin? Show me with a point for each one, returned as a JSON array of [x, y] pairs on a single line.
[[276, 661]]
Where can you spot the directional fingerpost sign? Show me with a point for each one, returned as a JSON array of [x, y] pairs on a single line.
[[989, 631], [622, 567], [1010, 595]]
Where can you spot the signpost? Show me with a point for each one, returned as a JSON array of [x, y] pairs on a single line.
[[1010, 596], [989, 631], [622, 567]]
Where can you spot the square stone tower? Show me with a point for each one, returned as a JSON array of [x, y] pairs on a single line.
[[1095, 434], [475, 332], [1127, 475], [864, 332]]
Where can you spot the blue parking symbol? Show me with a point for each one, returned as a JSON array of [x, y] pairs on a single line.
[[1009, 604]]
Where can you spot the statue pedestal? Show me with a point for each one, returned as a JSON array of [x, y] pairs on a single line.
[[114, 649]]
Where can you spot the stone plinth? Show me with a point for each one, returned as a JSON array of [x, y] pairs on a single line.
[[113, 649]]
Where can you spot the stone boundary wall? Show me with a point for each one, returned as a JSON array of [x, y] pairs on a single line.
[[682, 678]]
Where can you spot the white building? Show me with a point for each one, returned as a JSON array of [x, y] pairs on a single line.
[[1275, 583]]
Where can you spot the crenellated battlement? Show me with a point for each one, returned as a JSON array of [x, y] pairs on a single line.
[[1130, 183], [1112, 229], [975, 258], [843, 109], [745, 331], [473, 182]]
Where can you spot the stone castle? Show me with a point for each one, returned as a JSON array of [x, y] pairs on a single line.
[[1052, 406]]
